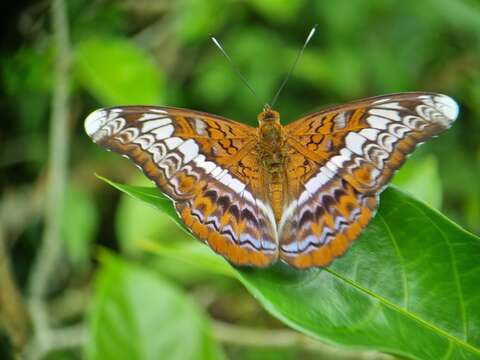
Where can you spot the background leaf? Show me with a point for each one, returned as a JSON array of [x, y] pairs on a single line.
[[117, 71], [278, 10], [411, 272], [419, 177], [159, 52], [135, 314], [80, 224], [139, 222]]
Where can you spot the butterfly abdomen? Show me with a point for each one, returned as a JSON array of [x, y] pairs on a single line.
[[276, 198]]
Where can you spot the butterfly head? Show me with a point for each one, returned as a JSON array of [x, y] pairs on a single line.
[[268, 116]]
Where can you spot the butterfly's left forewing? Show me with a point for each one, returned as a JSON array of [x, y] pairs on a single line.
[[204, 163], [340, 160]]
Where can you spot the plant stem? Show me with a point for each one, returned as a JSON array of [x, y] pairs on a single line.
[[48, 254]]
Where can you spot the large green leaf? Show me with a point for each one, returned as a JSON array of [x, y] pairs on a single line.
[[135, 314], [137, 221], [408, 286]]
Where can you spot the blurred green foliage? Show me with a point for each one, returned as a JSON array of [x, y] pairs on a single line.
[[128, 318], [159, 53], [93, 60]]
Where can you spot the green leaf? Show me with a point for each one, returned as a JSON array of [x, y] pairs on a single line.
[[80, 223], [419, 177], [28, 70], [27, 80], [278, 10], [147, 194], [137, 222], [407, 286], [118, 71], [135, 314], [195, 20]]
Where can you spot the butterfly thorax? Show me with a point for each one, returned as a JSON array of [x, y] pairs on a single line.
[[271, 151], [270, 131]]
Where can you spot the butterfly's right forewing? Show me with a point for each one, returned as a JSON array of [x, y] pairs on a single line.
[[204, 163]]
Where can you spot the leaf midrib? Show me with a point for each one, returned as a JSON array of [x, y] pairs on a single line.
[[400, 257], [454, 268], [404, 312]]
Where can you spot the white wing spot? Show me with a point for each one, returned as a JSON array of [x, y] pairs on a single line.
[[370, 134], [386, 140], [237, 186], [355, 142], [149, 116], [317, 181], [222, 174], [304, 196], [154, 124], [225, 180], [447, 106], [208, 166], [392, 105], [381, 100], [163, 132], [200, 127], [158, 111], [340, 121], [378, 122], [173, 142], [128, 135], [389, 114], [95, 121], [398, 130], [189, 149], [145, 141], [217, 171], [158, 151], [248, 196]]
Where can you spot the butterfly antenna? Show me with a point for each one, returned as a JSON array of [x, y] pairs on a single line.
[[235, 67], [290, 71]]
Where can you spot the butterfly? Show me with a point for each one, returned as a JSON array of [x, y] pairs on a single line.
[[300, 193]]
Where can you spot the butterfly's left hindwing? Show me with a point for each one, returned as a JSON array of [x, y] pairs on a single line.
[[204, 164], [341, 158]]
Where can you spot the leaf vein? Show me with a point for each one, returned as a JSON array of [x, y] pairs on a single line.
[[454, 268], [408, 314], [402, 260]]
